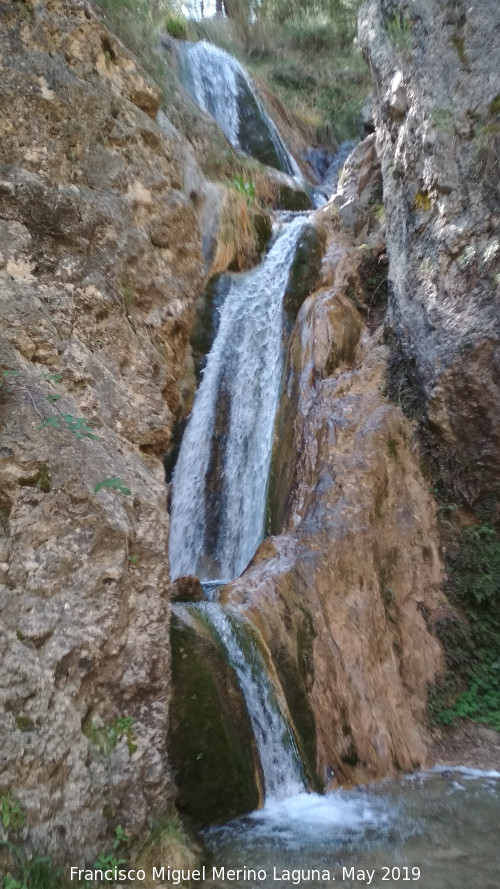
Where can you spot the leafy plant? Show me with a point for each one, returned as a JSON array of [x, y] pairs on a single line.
[[477, 566], [399, 28], [37, 872], [78, 426], [106, 737], [471, 687], [121, 837], [108, 862], [112, 484], [11, 813], [246, 188]]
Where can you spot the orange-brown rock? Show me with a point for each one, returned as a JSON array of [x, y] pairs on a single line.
[[100, 267], [341, 593]]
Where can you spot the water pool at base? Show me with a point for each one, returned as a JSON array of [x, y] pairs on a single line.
[[443, 822]]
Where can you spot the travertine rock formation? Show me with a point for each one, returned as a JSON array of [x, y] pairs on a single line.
[[437, 117], [100, 265], [342, 594]]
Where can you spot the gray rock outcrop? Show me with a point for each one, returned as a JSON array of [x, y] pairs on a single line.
[[437, 116]]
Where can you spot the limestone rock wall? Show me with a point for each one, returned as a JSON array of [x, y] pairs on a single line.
[[437, 117], [100, 265]]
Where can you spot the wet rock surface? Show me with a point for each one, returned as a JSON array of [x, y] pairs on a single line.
[[211, 744], [342, 592]]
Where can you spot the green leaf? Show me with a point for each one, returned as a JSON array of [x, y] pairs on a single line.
[[54, 378], [53, 398], [114, 484], [50, 421]]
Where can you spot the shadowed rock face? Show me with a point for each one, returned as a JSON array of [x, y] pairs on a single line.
[[437, 115], [211, 745], [100, 264]]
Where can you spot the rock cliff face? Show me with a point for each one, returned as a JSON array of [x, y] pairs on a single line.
[[108, 232], [100, 265], [437, 117], [342, 594]]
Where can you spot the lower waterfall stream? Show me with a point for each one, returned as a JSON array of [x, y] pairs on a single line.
[[279, 757], [437, 829]]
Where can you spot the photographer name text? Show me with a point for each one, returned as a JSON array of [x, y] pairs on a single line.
[[296, 876]]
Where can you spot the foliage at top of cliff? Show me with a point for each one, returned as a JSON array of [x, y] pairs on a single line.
[[303, 52]]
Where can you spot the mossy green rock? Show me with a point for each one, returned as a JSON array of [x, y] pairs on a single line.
[[305, 270], [254, 134], [292, 198], [210, 740], [263, 229]]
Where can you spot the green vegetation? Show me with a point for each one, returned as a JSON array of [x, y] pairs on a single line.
[[303, 52], [469, 630], [169, 841], [471, 637], [11, 813], [128, 297], [105, 737], [78, 426], [37, 872], [137, 23], [176, 25], [112, 484], [17, 871], [399, 29], [246, 188]]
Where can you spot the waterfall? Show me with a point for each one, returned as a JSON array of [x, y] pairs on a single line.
[[221, 87], [279, 757], [220, 480]]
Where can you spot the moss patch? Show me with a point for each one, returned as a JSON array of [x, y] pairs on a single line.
[[471, 636], [305, 270], [210, 741]]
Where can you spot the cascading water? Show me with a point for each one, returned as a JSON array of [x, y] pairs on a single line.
[[222, 88], [220, 480], [279, 757]]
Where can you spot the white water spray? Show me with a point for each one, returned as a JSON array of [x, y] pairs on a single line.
[[222, 88], [220, 480], [279, 757]]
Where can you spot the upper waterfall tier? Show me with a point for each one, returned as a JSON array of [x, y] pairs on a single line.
[[220, 480], [222, 87]]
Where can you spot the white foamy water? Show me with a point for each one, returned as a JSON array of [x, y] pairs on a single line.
[[427, 830], [216, 527], [214, 79]]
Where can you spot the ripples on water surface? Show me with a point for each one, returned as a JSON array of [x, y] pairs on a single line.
[[444, 821]]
